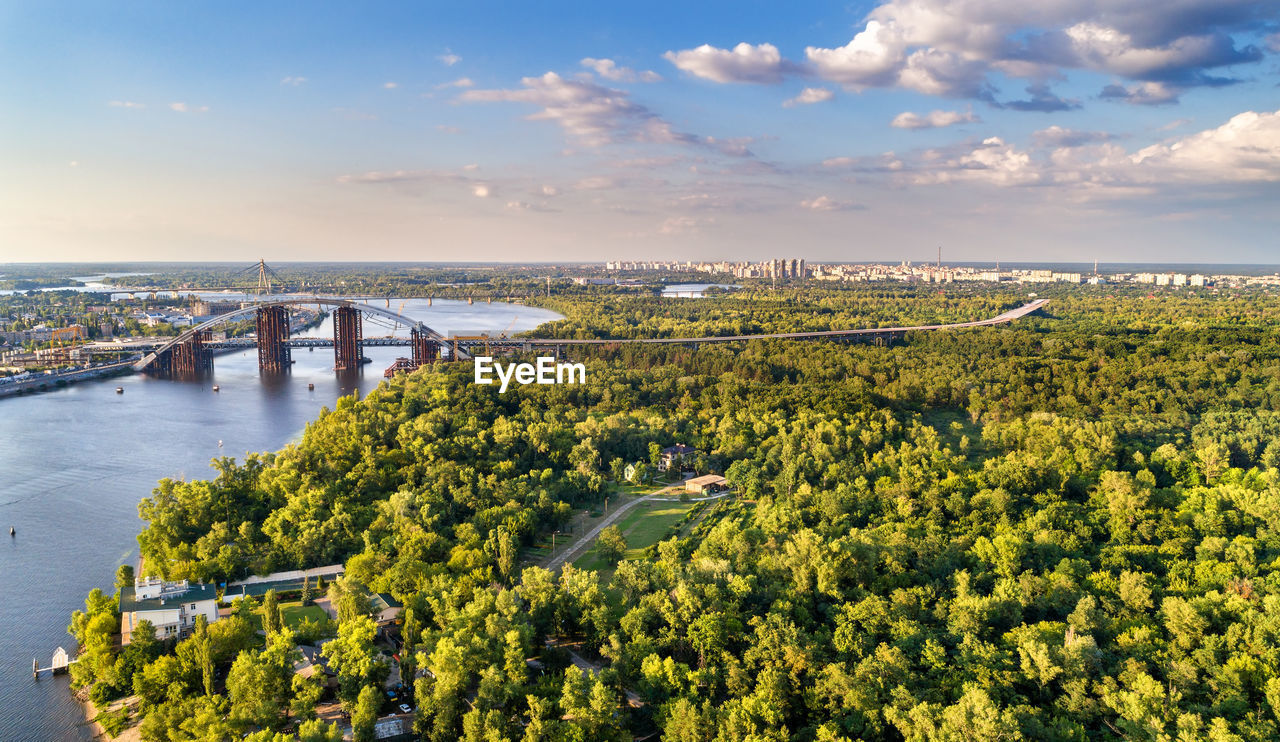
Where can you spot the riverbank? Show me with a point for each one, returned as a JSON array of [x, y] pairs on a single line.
[[92, 716], [47, 382]]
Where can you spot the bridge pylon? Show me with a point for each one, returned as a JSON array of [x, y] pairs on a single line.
[[348, 349], [273, 339]]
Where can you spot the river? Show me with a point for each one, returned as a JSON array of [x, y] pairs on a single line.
[[75, 462]]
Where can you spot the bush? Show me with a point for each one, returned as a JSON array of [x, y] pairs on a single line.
[[114, 722]]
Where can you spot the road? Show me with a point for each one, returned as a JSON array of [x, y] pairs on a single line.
[[578, 546], [1005, 317]]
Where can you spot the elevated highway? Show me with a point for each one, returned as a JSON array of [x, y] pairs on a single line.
[[1000, 319]]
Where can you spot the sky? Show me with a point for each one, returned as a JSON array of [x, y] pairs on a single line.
[[1015, 130]]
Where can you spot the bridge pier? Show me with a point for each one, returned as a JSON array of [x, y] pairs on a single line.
[[273, 339], [192, 357], [425, 350], [347, 334]]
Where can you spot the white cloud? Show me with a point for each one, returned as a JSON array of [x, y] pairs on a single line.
[[677, 225], [596, 183], [1246, 148], [761, 63], [549, 190], [948, 48], [597, 115], [993, 162], [826, 203], [125, 104], [1056, 136], [461, 82], [933, 119], [480, 190], [609, 70], [449, 59], [184, 108], [809, 96], [527, 206], [295, 81], [390, 85], [1143, 94]]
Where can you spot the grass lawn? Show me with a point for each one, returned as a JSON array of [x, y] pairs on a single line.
[[643, 526], [293, 613]]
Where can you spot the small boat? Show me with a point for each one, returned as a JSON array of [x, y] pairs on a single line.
[[12, 532], [119, 390], [311, 387], [216, 388]]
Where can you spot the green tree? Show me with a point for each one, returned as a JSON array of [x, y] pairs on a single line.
[[349, 599], [611, 545], [124, 576], [272, 621], [353, 657], [317, 731], [258, 683], [365, 714], [307, 692]]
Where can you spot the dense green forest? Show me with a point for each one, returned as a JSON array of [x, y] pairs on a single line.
[[1063, 529], [611, 313]]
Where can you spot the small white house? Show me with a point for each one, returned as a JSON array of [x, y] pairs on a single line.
[[171, 607]]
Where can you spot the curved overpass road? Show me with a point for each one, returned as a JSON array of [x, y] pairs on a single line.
[[1000, 319]]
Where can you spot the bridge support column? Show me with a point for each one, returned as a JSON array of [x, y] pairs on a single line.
[[347, 335], [425, 350], [273, 339], [190, 358]]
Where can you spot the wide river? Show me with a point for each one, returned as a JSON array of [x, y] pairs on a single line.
[[75, 462]]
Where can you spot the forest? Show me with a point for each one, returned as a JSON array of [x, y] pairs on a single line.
[[1067, 528]]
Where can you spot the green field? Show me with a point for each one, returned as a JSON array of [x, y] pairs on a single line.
[[642, 527], [293, 613]]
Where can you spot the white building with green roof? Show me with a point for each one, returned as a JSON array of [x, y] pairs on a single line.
[[171, 607]]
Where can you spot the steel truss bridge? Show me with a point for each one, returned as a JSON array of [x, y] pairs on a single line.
[[192, 351]]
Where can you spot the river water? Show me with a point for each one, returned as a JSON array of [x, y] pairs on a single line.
[[75, 462]]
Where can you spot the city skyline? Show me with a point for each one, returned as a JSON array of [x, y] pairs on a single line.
[[1122, 131]]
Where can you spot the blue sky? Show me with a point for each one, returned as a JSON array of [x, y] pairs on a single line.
[[1054, 130]]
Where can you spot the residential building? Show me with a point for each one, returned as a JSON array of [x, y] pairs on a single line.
[[171, 607], [386, 609], [671, 455]]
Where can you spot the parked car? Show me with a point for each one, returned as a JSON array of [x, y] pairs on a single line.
[[405, 708]]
